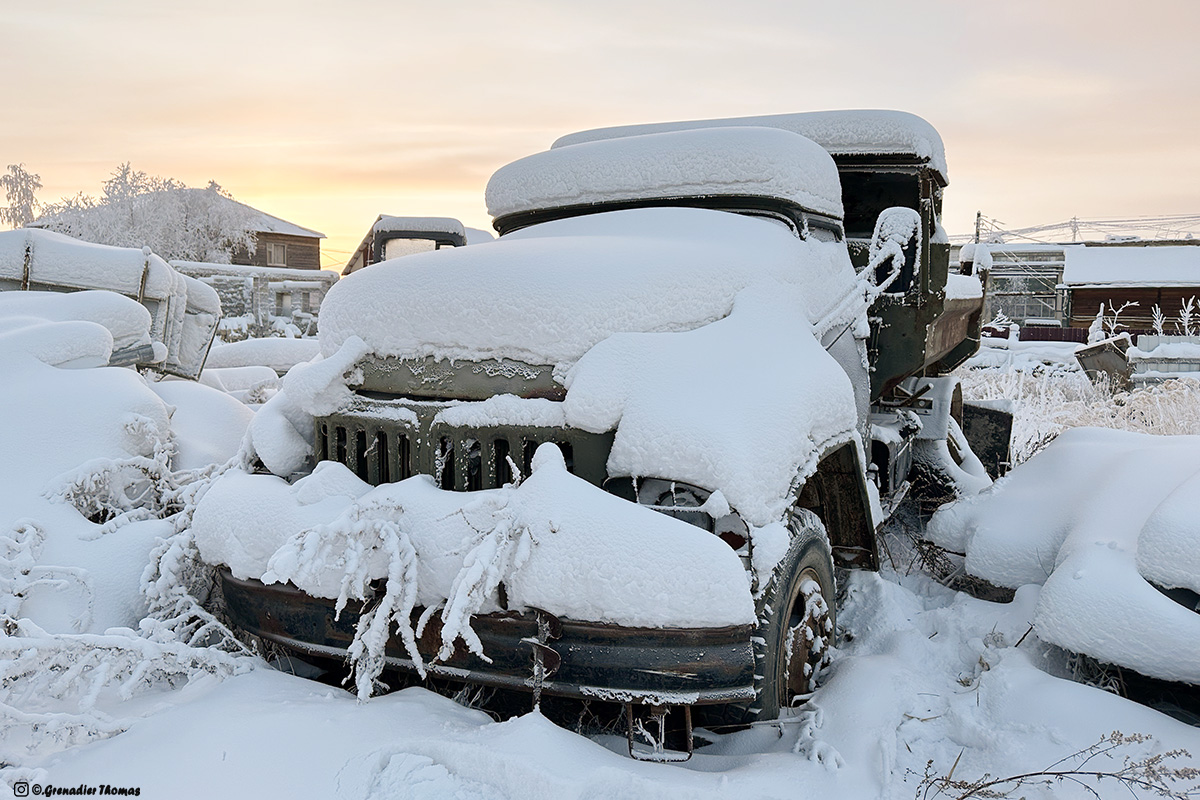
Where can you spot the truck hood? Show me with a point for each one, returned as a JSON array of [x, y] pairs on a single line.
[[548, 294]]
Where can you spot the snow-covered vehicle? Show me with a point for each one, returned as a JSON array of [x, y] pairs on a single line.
[[619, 452], [183, 312]]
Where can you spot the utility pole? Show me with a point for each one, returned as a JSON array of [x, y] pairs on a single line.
[[978, 223]]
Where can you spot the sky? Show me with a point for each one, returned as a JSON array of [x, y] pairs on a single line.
[[329, 114]]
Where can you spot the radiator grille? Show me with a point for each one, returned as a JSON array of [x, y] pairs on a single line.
[[458, 459]]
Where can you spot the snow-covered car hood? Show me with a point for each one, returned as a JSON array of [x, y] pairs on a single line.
[[548, 294]]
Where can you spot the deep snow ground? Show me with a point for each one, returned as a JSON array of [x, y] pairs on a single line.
[[925, 674]]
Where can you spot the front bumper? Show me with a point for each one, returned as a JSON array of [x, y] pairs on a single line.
[[585, 660]]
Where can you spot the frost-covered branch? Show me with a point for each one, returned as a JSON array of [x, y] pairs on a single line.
[[501, 544], [359, 542], [53, 688], [173, 220], [1155, 773], [1187, 317]]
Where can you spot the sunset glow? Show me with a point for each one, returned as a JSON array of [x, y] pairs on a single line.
[[328, 118]]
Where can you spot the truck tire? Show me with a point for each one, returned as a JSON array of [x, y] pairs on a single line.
[[797, 618], [796, 626]]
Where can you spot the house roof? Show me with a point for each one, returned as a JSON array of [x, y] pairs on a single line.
[[1132, 266], [267, 223]]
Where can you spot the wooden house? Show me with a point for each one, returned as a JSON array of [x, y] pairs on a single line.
[[1146, 273], [279, 243]]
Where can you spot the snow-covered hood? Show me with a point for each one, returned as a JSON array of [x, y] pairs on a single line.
[[548, 294]]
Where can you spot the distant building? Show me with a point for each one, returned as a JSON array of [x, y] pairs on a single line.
[[1040, 283], [280, 243], [1149, 274], [1025, 280], [263, 301]]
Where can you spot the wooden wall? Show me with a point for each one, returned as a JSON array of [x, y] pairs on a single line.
[[303, 252], [1085, 303]]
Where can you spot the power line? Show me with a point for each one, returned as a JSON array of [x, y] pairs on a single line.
[[1179, 226]]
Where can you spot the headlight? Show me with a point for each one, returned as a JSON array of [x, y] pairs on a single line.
[[691, 504]]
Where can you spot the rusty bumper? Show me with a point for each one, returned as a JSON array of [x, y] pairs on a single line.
[[587, 660]]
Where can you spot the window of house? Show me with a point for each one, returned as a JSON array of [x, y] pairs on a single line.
[[276, 255]]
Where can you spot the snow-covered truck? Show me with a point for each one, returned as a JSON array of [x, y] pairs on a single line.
[[620, 452]]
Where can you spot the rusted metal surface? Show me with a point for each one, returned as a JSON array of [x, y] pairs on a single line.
[[954, 336], [585, 660], [657, 735], [1107, 360], [435, 379]]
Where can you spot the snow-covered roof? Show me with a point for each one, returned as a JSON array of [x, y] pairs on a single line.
[[202, 269], [853, 132], [266, 223], [1132, 266], [419, 225], [729, 161]]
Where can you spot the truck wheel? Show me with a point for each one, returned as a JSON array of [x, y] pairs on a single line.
[[796, 624], [796, 619]]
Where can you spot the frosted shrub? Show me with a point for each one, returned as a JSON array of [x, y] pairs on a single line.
[[1047, 402], [500, 546], [356, 543], [54, 689]]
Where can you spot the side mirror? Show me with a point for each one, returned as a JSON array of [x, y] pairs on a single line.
[[895, 250]]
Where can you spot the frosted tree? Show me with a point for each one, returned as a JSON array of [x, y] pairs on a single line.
[[1158, 318], [1187, 317], [20, 189], [172, 219]]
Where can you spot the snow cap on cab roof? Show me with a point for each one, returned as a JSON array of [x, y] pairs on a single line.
[[725, 161], [841, 133], [387, 223]]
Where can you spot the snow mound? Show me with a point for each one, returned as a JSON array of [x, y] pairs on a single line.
[[126, 320], [1126, 518], [208, 425], [735, 432], [278, 353], [76, 440], [737, 162]]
